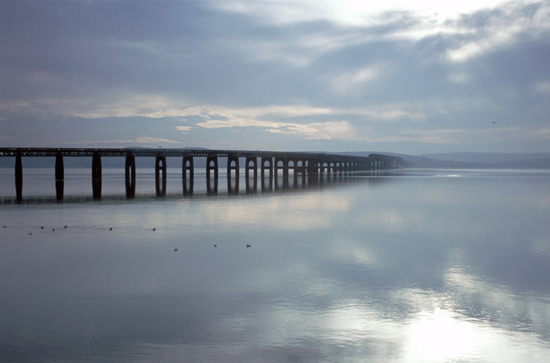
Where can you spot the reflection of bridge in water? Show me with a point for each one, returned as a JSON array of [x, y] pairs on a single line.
[[329, 180], [307, 169]]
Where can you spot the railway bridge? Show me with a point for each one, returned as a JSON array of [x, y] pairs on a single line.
[[271, 164]]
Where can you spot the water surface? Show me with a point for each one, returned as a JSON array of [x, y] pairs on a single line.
[[414, 266]]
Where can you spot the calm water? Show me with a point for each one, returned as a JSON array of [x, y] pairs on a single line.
[[416, 266]]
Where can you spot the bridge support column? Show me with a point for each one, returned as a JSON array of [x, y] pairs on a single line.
[[130, 176], [284, 166], [59, 176], [301, 170], [232, 165], [295, 170], [313, 166], [305, 171], [212, 165], [18, 177], [160, 181], [269, 169], [323, 166], [188, 166], [251, 164], [96, 175]]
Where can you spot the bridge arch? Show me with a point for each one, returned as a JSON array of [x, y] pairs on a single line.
[[267, 167], [233, 174], [212, 167], [251, 164], [188, 175]]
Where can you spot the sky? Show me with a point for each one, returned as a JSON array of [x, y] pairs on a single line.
[[277, 75]]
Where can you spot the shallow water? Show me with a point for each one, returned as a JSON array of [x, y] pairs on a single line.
[[413, 266]]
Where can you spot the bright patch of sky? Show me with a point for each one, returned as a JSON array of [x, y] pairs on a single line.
[[350, 12]]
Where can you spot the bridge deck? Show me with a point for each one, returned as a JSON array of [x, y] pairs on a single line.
[[41, 152]]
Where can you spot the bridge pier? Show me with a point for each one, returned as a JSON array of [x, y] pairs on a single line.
[[251, 164], [212, 165], [160, 181], [96, 175], [187, 167], [291, 164], [59, 176], [130, 176], [232, 166], [284, 167], [269, 169], [313, 171], [18, 177], [300, 169], [323, 167]]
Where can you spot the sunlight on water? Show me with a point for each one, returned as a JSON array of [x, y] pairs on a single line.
[[405, 267]]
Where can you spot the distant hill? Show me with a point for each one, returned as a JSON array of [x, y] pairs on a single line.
[[471, 160], [497, 160]]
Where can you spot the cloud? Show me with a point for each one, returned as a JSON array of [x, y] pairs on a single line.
[[336, 73], [345, 12], [154, 140], [318, 131], [542, 134], [350, 81], [184, 128], [500, 28], [140, 140], [543, 87]]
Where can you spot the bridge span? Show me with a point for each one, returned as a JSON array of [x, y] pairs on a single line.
[[309, 166]]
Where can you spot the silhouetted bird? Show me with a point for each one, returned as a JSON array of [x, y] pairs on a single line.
[[110, 229], [65, 227], [215, 245], [41, 227], [175, 249], [30, 234], [247, 246], [154, 229], [53, 229]]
